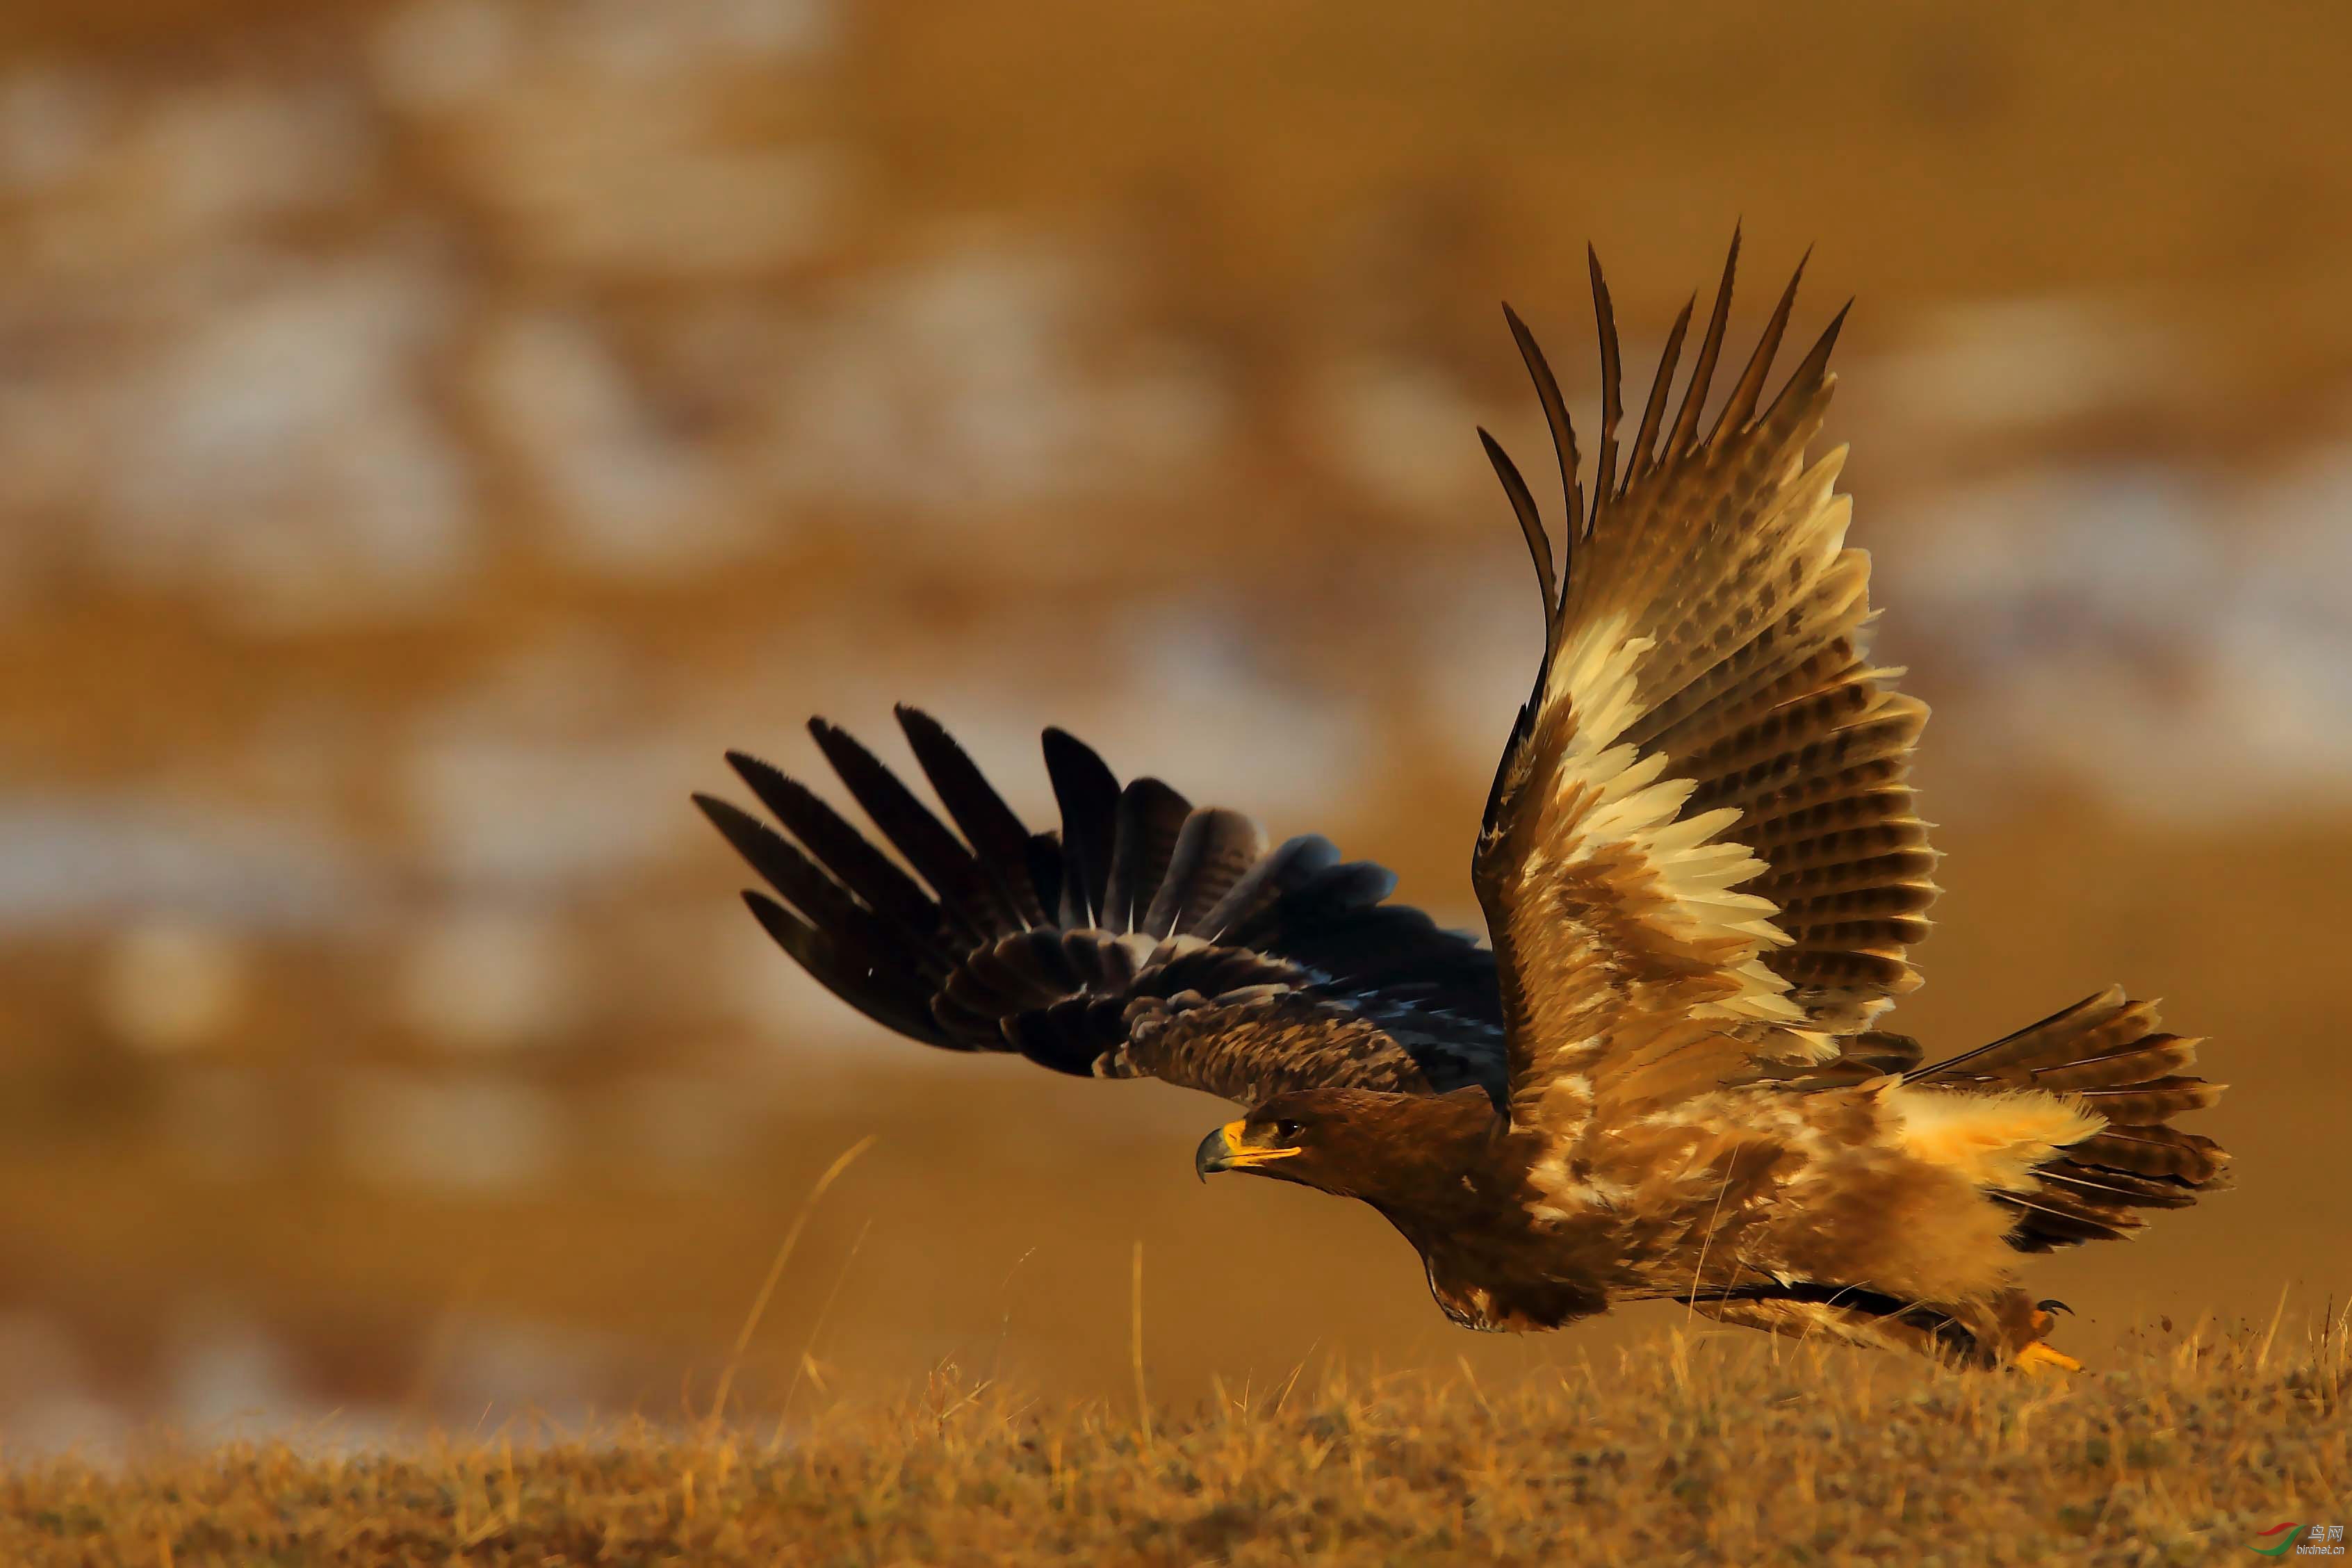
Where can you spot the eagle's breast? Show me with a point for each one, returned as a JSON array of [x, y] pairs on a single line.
[[1518, 1283]]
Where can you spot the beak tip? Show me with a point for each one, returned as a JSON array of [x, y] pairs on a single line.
[[1214, 1154]]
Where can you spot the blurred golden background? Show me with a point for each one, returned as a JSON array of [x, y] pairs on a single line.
[[431, 432]]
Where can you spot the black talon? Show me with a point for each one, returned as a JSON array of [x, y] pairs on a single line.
[[2053, 1305]]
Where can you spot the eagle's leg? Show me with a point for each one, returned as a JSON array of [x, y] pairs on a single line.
[[2036, 1357], [2012, 1329], [1921, 1330]]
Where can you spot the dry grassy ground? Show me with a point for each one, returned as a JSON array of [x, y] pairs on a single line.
[[1715, 1449]]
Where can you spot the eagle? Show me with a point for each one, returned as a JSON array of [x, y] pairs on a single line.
[[1663, 1076]]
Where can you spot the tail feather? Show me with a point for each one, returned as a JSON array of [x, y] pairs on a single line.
[[2105, 1054], [2150, 1103], [2191, 1157], [2142, 1062]]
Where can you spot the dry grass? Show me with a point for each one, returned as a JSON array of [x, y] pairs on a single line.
[[1714, 1450]]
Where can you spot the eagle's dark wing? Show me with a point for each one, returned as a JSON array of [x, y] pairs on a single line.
[[1147, 938], [1700, 859]]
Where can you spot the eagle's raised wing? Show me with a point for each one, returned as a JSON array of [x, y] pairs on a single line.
[[1146, 939], [1699, 860]]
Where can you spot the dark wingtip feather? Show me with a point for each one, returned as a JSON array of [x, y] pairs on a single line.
[[1523, 504], [1088, 794], [1612, 404], [1563, 433], [1742, 401], [864, 871], [998, 838], [1809, 370], [1710, 348], [713, 809], [864, 988], [938, 856], [1150, 818], [755, 840], [800, 880], [1646, 454], [1214, 851]]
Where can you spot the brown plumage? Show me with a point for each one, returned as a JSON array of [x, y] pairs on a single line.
[[1702, 877]]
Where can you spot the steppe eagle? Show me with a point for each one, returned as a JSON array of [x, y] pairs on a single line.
[[1702, 876]]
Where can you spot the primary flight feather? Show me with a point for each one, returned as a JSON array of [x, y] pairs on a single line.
[[1702, 876]]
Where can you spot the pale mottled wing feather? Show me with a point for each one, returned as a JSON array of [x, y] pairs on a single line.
[[1700, 859], [1144, 938]]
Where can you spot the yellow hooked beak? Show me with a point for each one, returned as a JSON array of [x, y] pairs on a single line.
[[1232, 1147]]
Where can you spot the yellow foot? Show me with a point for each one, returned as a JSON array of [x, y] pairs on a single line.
[[2044, 1319], [2039, 1360]]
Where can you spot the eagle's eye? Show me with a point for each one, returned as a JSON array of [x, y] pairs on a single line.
[[1287, 1131]]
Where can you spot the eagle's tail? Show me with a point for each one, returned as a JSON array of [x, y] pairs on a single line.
[[2107, 1055]]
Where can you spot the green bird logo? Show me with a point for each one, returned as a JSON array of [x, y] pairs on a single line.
[[2285, 1533]]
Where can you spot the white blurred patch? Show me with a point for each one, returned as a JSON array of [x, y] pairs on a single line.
[[167, 986], [642, 177], [279, 459], [51, 124], [1402, 432], [228, 1380], [943, 385], [234, 150], [2179, 646], [1997, 366], [434, 54], [514, 1368], [964, 384], [2282, 658], [101, 858], [1196, 706], [463, 1134], [2015, 568], [623, 494], [1164, 411], [544, 776], [1480, 634], [626, 39], [487, 980], [549, 814]]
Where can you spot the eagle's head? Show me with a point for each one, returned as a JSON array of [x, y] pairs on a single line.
[[1357, 1143]]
